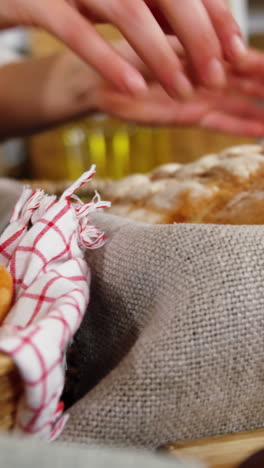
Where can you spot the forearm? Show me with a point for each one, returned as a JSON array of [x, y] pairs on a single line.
[[37, 94]]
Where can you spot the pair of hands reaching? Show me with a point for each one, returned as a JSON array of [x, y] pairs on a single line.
[[145, 79], [233, 109], [57, 89], [205, 28]]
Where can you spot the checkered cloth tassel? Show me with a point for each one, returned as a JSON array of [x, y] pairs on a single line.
[[43, 247]]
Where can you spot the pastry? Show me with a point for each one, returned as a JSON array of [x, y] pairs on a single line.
[[6, 292]]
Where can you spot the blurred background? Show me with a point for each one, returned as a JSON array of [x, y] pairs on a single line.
[[117, 148]]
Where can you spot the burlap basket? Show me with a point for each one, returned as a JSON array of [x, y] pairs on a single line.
[[171, 346], [117, 346]]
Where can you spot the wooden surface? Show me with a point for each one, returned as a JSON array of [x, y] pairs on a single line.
[[226, 451]]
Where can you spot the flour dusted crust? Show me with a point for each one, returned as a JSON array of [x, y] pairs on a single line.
[[224, 188], [219, 188]]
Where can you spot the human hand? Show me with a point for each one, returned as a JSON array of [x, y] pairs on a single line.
[[232, 110], [205, 28], [221, 111], [252, 65], [60, 88]]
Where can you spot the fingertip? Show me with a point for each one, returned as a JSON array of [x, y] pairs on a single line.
[[214, 74], [238, 49], [181, 86], [134, 83]]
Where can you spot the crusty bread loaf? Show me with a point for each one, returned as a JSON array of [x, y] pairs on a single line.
[[224, 188], [219, 188]]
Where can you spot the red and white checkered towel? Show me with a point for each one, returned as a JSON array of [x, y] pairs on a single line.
[[43, 247]]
